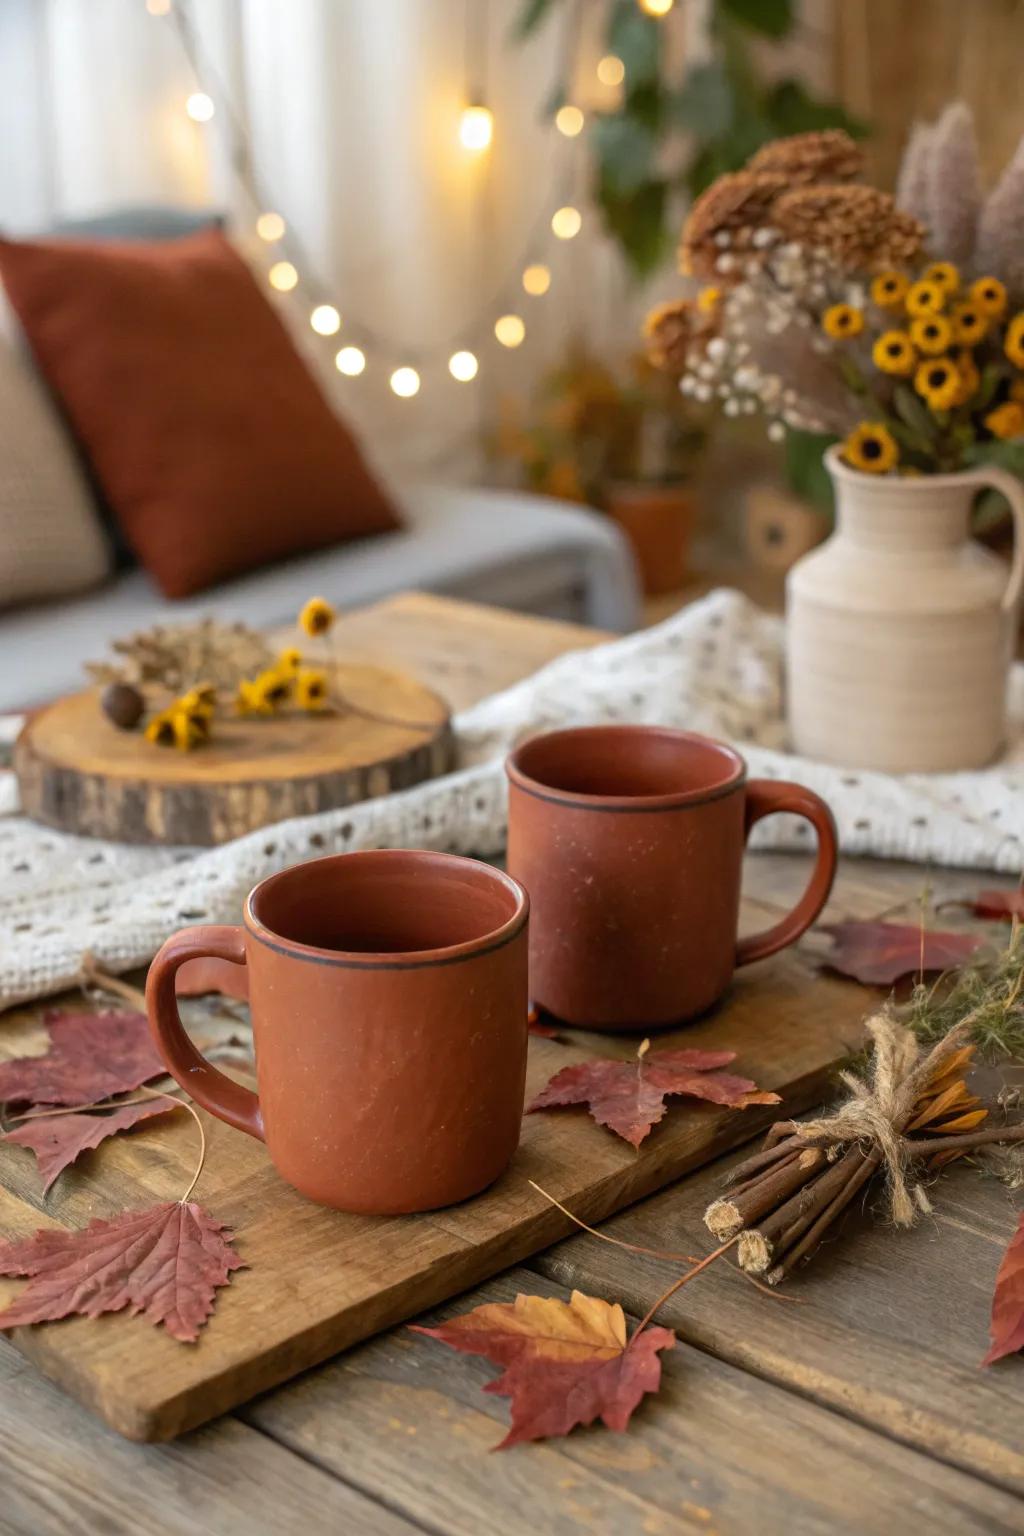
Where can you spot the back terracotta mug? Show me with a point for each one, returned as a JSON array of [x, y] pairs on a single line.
[[388, 991], [630, 841]]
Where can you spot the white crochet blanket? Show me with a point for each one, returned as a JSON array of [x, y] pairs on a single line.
[[715, 667]]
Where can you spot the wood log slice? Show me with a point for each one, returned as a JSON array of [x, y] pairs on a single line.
[[79, 773]]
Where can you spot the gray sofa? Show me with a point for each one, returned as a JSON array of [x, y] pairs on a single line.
[[509, 548]]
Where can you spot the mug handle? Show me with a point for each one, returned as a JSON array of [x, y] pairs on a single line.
[[764, 798], [1002, 480], [227, 1100]]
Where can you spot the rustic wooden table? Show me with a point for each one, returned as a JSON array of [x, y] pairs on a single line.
[[861, 1409]]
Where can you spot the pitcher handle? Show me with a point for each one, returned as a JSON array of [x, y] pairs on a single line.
[[1011, 488], [211, 1089]]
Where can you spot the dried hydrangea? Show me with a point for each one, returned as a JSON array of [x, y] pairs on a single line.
[[727, 219], [860, 228], [826, 156], [674, 331]]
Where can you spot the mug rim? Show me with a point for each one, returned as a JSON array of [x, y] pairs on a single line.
[[391, 960], [679, 799]]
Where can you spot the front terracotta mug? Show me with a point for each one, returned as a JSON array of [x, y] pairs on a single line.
[[388, 991], [630, 841]]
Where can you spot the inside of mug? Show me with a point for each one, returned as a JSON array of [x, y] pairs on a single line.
[[392, 902], [624, 762]]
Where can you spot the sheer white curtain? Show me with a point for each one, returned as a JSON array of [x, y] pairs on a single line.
[[352, 107]]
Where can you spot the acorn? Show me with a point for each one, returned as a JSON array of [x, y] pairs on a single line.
[[123, 705]]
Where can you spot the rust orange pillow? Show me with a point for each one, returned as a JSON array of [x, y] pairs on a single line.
[[208, 436]]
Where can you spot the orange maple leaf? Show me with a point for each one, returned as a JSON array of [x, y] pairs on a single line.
[[566, 1363]]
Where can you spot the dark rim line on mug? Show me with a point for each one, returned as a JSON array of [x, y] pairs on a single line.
[[669, 800]]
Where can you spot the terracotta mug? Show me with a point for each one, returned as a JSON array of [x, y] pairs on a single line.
[[389, 1004], [630, 841]]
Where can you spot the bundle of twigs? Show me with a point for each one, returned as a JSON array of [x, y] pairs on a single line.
[[913, 1112]]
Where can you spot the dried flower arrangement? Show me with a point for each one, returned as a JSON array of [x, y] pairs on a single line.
[[889, 322], [168, 681]]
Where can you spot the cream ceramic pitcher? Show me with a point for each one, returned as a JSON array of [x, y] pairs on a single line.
[[901, 628]]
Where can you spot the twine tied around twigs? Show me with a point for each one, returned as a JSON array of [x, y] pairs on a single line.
[[881, 1104]]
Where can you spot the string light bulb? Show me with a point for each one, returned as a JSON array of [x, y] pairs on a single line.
[[566, 222], [283, 276], [200, 107], [656, 7], [476, 127], [537, 279], [158, 7], [510, 330], [463, 366], [350, 361], [325, 320], [405, 382], [569, 120], [611, 70], [270, 226]]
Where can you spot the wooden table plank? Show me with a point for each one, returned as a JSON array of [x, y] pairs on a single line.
[[892, 1328], [718, 1451], [61, 1471]]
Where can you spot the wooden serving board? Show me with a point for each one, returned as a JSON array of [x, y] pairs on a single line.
[[78, 772], [319, 1281]]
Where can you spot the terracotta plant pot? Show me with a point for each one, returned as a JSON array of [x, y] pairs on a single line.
[[900, 628], [389, 1007], [658, 522], [630, 842]]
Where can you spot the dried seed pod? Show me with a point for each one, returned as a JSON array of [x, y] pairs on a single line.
[[724, 220], [123, 705], [829, 155], [859, 227]]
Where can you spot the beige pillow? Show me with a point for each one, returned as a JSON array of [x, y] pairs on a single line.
[[51, 541]]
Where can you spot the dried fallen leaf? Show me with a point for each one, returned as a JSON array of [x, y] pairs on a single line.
[[1005, 904], [91, 1056], [629, 1096], [1006, 1329], [57, 1140], [880, 953], [165, 1262], [566, 1363]]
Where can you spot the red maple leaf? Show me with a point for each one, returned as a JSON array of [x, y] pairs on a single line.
[[880, 953], [566, 1363], [1007, 1326], [166, 1262], [1004, 904], [629, 1096], [57, 1140], [91, 1056]]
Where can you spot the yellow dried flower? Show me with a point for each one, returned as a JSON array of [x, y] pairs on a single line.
[[311, 689], [317, 616], [944, 273], [893, 352], [289, 660], [1013, 343], [175, 727], [1006, 420], [263, 695], [938, 381], [989, 294], [969, 324], [709, 299], [826, 155], [200, 700], [842, 320], [872, 448], [931, 334], [925, 298], [889, 289], [1017, 390]]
